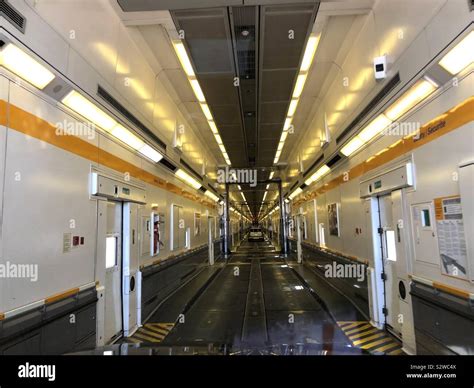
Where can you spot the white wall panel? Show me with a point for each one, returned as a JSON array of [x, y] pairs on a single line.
[[90, 27]]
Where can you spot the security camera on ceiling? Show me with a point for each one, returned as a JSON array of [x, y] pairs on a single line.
[[380, 67]]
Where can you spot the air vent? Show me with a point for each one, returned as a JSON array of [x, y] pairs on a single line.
[[334, 160], [12, 15], [119, 107], [394, 81], [303, 186], [317, 161], [166, 163], [188, 167]]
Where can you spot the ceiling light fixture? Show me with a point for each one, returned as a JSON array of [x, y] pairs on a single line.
[[183, 58], [188, 179], [324, 169], [24, 66], [88, 110], [460, 56]]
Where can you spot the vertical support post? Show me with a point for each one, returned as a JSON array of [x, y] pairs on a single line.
[[299, 253], [226, 222], [283, 223], [210, 240]]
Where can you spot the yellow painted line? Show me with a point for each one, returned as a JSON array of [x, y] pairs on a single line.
[[359, 329], [157, 331], [152, 334], [145, 337], [134, 340], [352, 325], [389, 346], [395, 352], [363, 334], [373, 344], [368, 339]]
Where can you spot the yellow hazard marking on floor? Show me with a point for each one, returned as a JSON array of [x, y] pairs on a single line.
[[363, 335], [152, 332]]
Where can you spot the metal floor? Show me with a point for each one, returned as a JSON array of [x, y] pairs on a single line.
[[259, 303]]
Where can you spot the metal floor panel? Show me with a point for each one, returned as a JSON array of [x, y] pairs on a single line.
[[270, 304]]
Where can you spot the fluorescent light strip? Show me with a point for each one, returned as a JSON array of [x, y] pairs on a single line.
[[183, 58], [460, 56], [150, 153], [127, 137], [309, 52], [197, 90], [211, 195], [417, 93], [318, 174], [300, 81], [186, 178], [24, 66], [374, 128], [292, 108], [206, 111], [88, 110], [298, 191]]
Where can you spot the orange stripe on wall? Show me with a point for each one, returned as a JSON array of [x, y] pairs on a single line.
[[31, 125], [456, 117]]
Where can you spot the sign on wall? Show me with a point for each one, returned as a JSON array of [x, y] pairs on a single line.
[[451, 237], [333, 219]]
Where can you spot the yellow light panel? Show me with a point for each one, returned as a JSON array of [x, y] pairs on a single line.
[[186, 178], [460, 56], [299, 85], [410, 98], [309, 52], [124, 135], [352, 146], [151, 153], [374, 128], [183, 58], [88, 110], [206, 112], [318, 174], [213, 126], [292, 108], [24, 66], [197, 90]]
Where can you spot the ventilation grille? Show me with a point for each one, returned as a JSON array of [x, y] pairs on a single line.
[[188, 167], [119, 107], [334, 160], [12, 15], [166, 163], [394, 81], [316, 162]]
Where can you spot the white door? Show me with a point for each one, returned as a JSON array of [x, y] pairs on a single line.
[[178, 230], [131, 275], [390, 234], [113, 273]]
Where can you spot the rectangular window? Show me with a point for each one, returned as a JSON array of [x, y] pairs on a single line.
[[391, 247], [110, 252], [425, 218]]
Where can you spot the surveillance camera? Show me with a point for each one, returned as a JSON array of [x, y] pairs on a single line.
[[380, 67]]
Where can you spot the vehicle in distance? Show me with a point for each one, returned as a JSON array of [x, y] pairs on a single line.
[[256, 234]]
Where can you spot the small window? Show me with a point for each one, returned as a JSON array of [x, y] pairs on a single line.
[[110, 252], [391, 247], [425, 218]]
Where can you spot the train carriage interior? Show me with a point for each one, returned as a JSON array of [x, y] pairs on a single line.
[[237, 178]]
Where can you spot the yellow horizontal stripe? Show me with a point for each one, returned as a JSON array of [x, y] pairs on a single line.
[[146, 337], [151, 329], [395, 352], [31, 125], [363, 334], [158, 329], [352, 325], [389, 346], [456, 117], [152, 333], [373, 344], [359, 329], [368, 339]]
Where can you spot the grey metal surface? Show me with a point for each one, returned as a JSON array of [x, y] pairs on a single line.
[[444, 323], [48, 329]]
